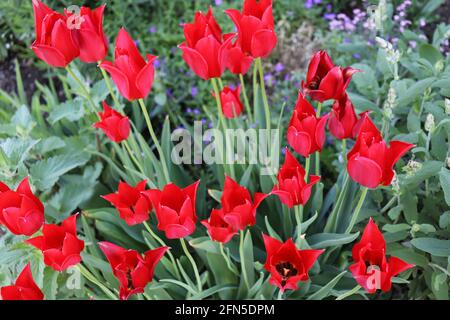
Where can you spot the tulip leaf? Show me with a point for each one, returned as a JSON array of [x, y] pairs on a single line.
[[206, 244], [323, 240], [326, 290], [444, 178], [435, 247]]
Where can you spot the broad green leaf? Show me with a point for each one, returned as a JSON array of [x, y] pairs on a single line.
[[444, 178], [326, 290], [323, 240], [435, 247]]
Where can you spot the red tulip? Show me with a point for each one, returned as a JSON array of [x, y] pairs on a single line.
[[286, 264], [115, 125], [132, 205], [256, 34], [23, 289], [292, 188], [371, 162], [372, 270], [89, 36], [237, 213], [130, 72], [306, 132], [236, 60], [204, 49], [219, 230], [20, 211], [343, 119], [54, 43], [133, 270], [59, 244], [175, 209], [231, 102], [324, 80]]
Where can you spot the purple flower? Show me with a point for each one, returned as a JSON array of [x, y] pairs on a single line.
[[152, 29], [157, 63], [279, 67], [218, 2], [196, 112], [329, 16], [194, 91], [357, 56]]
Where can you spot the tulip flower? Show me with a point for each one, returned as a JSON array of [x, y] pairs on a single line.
[[115, 125], [54, 42], [343, 119], [255, 26], [292, 188], [238, 211], [89, 35], [25, 288], [204, 48], [20, 211], [288, 265], [130, 72], [306, 132], [372, 269], [231, 102], [59, 244], [133, 206], [371, 161], [175, 209], [133, 270], [324, 80], [218, 228], [236, 60]]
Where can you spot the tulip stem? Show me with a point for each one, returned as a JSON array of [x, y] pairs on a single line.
[[219, 80], [83, 87], [299, 209], [132, 156], [110, 88], [357, 209], [194, 265], [247, 103], [162, 243], [227, 259], [264, 94], [280, 295], [344, 150], [349, 293], [224, 125], [89, 276], [317, 167], [242, 257], [334, 216], [155, 140]]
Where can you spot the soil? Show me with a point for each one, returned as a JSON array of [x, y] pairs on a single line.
[[30, 75]]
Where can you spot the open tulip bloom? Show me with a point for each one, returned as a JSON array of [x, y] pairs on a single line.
[[272, 254]]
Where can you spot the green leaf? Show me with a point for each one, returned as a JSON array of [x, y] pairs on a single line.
[[428, 169], [323, 240], [430, 53], [414, 91], [325, 290], [392, 228], [206, 244], [71, 110], [45, 173], [50, 287], [435, 247], [444, 178]]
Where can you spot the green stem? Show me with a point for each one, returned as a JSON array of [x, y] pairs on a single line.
[[344, 150], [89, 276], [155, 140], [299, 217], [132, 156], [83, 87], [241, 254], [162, 243], [388, 205], [246, 102], [194, 265], [357, 209], [349, 293], [280, 295], [219, 80], [227, 260], [264, 95], [108, 84], [223, 123]]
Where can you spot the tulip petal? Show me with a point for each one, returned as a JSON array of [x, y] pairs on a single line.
[[263, 42], [364, 171]]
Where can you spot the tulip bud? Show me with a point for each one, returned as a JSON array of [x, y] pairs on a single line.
[[429, 123]]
